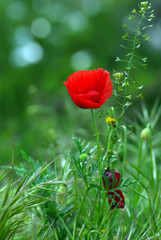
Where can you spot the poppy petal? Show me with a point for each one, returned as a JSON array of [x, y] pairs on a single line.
[[116, 199], [111, 179], [91, 95], [88, 88]]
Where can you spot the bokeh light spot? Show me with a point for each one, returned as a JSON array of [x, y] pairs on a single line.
[[57, 12], [30, 53], [155, 35], [23, 35], [16, 10], [76, 21], [81, 60], [42, 6], [91, 7], [41, 28]]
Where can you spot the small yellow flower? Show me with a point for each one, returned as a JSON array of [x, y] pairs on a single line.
[[110, 120], [102, 230]]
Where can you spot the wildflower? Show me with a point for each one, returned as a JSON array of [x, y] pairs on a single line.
[[144, 4], [89, 89], [111, 121], [118, 75], [111, 179], [116, 199]]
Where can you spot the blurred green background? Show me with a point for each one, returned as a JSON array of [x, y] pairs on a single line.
[[42, 43]]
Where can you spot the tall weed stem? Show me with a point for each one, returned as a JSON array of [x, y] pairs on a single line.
[[130, 62], [125, 147], [140, 156], [98, 144]]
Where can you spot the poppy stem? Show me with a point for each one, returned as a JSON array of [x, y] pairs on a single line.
[[98, 145]]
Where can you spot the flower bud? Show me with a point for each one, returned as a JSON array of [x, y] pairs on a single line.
[[83, 157], [110, 179], [118, 76], [116, 199], [145, 134]]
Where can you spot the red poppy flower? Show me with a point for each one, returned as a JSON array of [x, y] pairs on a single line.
[[116, 199], [111, 179], [89, 89]]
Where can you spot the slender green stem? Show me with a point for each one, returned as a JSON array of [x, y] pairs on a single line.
[[125, 148], [93, 231], [140, 156], [76, 199], [65, 226], [152, 159], [110, 148], [138, 167], [130, 65], [106, 147], [98, 154], [133, 48], [98, 145], [106, 144]]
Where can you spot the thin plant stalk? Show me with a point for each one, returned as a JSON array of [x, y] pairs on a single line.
[[140, 155], [130, 64], [125, 147], [98, 144]]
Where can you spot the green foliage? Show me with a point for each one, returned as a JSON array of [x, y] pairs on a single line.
[[134, 36], [19, 197], [83, 163], [61, 203]]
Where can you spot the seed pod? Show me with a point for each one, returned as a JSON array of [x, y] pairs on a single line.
[[83, 156], [120, 152], [145, 134]]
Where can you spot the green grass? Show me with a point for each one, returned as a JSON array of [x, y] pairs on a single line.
[[64, 199]]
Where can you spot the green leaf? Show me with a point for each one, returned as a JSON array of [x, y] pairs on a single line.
[[140, 96], [130, 18], [117, 59], [133, 11], [77, 142], [144, 59], [152, 15], [125, 36]]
